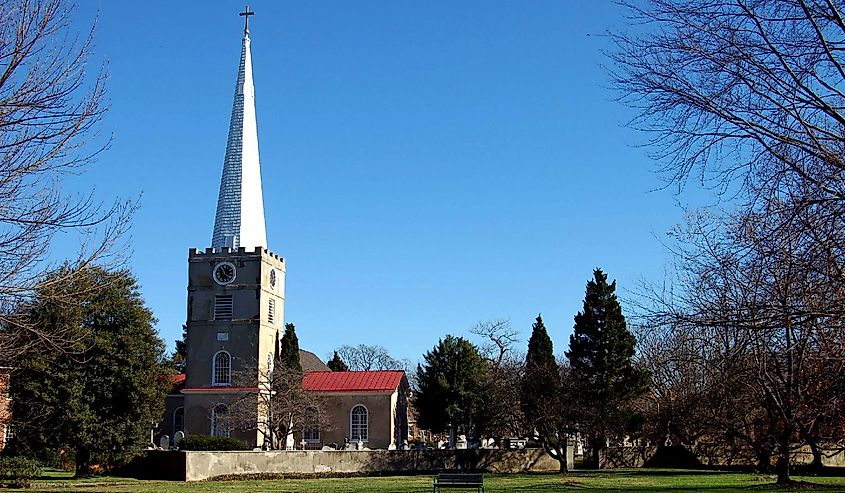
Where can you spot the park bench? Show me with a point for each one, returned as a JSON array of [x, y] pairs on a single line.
[[459, 480]]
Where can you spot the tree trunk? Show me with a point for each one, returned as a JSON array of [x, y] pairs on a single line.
[[557, 451], [782, 466], [817, 464], [764, 459], [563, 454], [599, 444], [83, 463]]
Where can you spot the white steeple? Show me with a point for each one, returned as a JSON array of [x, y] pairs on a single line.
[[239, 221]]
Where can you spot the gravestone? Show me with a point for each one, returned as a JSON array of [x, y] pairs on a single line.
[[164, 442], [461, 443], [179, 435]]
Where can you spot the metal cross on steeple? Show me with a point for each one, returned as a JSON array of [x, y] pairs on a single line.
[[246, 13]]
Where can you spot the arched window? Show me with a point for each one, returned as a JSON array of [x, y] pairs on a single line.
[[221, 372], [219, 426], [358, 423], [179, 420]]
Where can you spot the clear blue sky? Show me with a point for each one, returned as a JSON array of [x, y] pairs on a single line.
[[426, 165]]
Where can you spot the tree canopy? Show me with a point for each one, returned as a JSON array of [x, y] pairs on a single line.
[[450, 387], [365, 357], [52, 105], [601, 351], [545, 402], [747, 98], [288, 350], [99, 401], [336, 363], [541, 372]]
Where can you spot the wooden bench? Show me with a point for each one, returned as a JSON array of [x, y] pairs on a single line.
[[459, 480]]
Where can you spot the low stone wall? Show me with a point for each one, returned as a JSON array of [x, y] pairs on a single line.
[[720, 456], [205, 465]]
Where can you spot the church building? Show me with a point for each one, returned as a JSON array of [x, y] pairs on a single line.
[[235, 312]]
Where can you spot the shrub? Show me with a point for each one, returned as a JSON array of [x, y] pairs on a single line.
[[204, 442], [18, 472], [674, 457]]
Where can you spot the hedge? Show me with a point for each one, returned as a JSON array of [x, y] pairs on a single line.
[[18, 472], [205, 442]]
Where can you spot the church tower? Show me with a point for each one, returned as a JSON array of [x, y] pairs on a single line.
[[236, 288]]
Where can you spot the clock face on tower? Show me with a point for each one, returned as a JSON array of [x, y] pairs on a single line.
[[224, 273]]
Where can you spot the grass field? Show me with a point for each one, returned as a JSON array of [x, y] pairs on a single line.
[[637, 480]]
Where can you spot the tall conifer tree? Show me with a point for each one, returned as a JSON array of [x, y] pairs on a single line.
[[541, 372], [337, 363], [289, 349], [545, 403], [601, 350]]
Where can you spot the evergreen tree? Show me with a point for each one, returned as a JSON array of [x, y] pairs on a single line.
[[337, 364], [450, 387], [179, 358], [601, 350], [545, 403], [541, 372], [97, 403], [288, 352]]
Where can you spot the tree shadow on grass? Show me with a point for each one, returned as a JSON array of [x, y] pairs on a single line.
[[583, 480]]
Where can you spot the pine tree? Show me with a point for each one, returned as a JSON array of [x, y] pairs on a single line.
[[337, 364], [544, 404], [601, 350], [541, 372], [179, 358], [288, 353], [451, 387]]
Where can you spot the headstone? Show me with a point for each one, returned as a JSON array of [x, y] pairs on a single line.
[[461, 442], [164, 442], [177, 437]]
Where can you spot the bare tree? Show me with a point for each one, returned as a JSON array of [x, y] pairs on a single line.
[[364, 357], [278, 408], [755, 297], [744, 93], [49, 114], [703, 393], [502, 416], [748, 95], [499, 336]]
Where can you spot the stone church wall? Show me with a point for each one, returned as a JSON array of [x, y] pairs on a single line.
[[380, 423]]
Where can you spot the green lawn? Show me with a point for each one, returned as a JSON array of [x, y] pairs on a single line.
[[637, 480]]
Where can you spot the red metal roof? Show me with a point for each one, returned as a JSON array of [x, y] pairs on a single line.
[[352, 381], [176, 381]]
